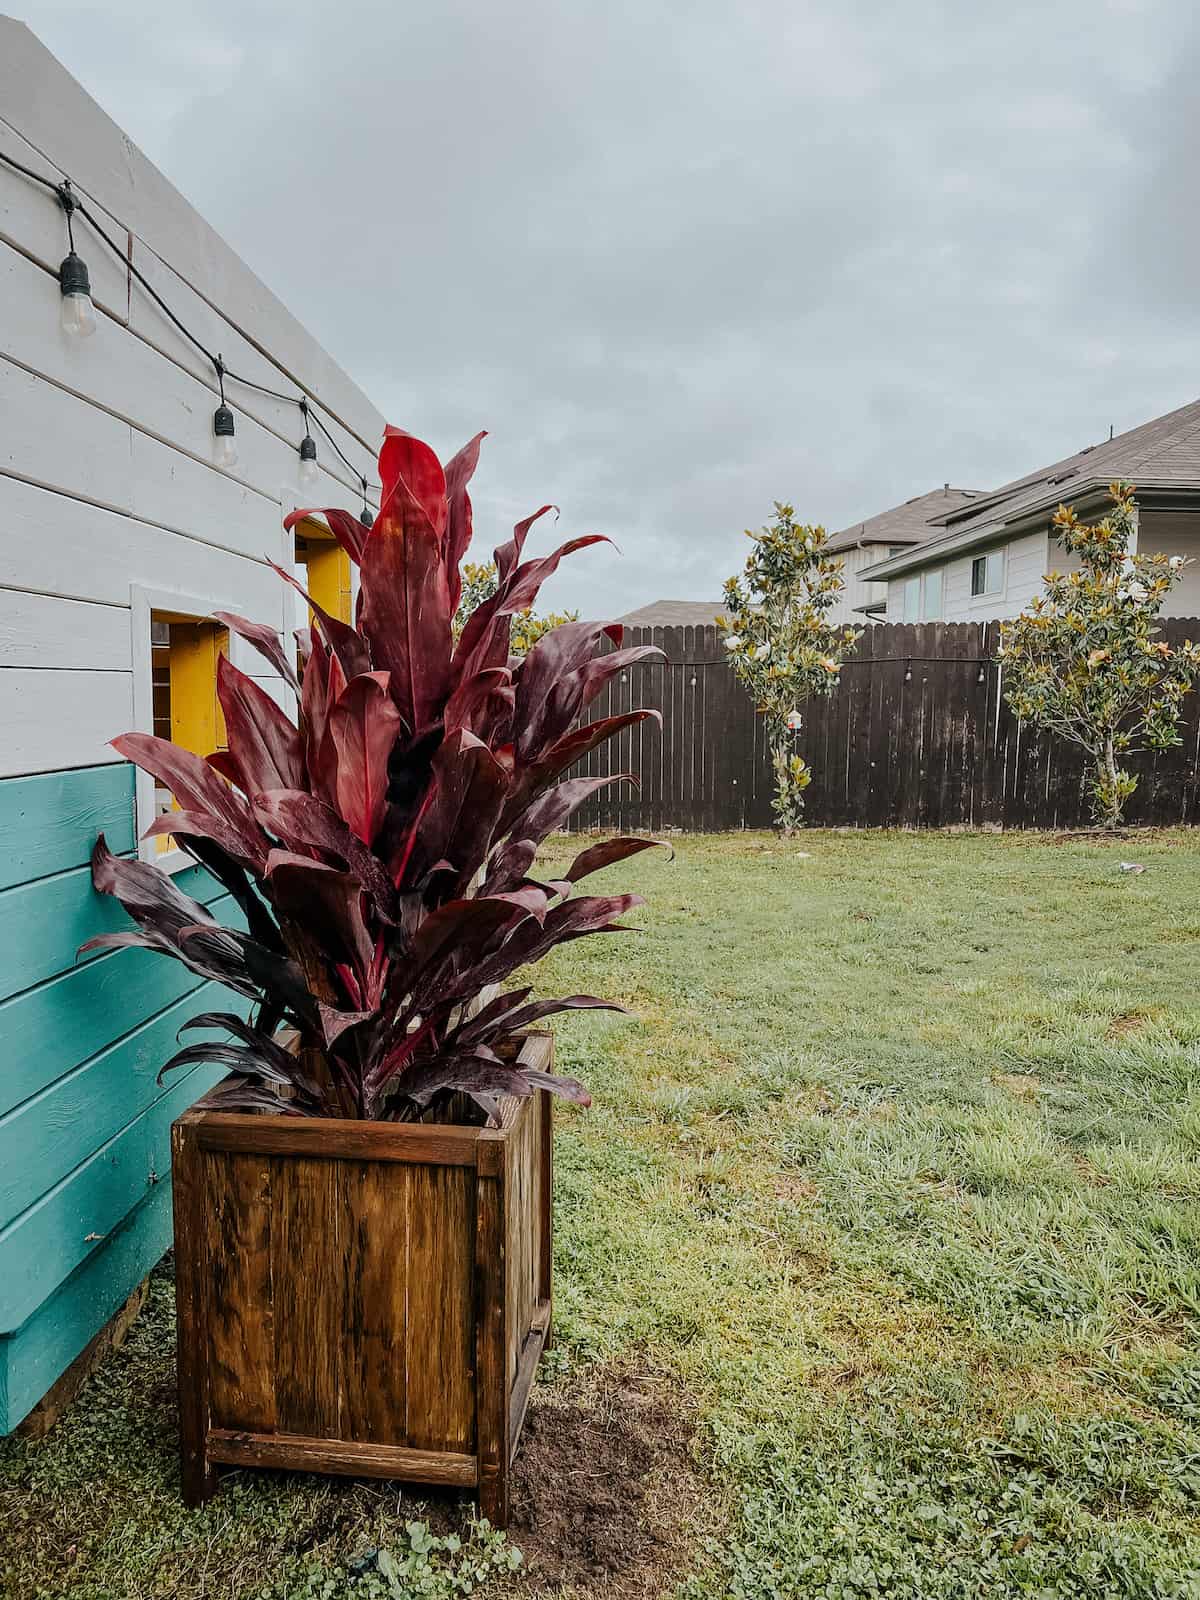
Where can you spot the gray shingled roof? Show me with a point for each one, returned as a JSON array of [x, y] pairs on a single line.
[[1165, 450], [1162, 453], [675, 614], [905, 524]]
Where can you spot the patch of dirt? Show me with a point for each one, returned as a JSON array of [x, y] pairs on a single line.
[[606, 1496], [1127, 1022], [1021, 1084]]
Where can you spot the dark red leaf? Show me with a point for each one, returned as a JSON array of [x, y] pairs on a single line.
[[346, 642], [325, 901], [346, 528], [265, 640], [408, 466], [263, 740], [364, 726], [197, 788], [605, 853], [405, 610], [469, 788], [302, 822], [459, 471]]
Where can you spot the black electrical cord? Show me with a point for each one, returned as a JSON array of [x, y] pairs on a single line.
[[71, 203]]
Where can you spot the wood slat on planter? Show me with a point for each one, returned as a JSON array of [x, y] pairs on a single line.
[[362, 1297]]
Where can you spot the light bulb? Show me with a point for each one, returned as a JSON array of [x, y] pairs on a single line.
[[224, 444], [77, 316], [310, 474]]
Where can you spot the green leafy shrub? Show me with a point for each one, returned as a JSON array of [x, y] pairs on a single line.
[[1085, 660], [781, 644]]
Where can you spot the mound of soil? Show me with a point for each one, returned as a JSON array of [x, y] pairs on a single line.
[[606, 1497]]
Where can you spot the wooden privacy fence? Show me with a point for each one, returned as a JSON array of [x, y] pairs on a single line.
[[916, 735]]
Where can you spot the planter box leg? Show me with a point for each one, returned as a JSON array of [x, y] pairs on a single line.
[[492, 1404], [198, 1475]]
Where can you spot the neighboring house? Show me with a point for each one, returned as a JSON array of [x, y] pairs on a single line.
[[121, 537], [887, 533], [988, 558], [675, 614]]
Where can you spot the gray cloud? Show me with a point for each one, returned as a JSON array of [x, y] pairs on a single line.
[[686, 259]]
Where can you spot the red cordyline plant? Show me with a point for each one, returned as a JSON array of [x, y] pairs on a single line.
[[380, 847]]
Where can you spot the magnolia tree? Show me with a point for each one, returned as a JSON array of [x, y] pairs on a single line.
[[781, 643], [480, 580], [1085, 660]]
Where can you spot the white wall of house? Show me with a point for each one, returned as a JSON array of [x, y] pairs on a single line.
[[1023, 565], [1175, 533], [856, 592], [106, 474]]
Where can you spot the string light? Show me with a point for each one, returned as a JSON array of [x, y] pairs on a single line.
[[77, 316], [310, 474], [224, 443], [78, 319]]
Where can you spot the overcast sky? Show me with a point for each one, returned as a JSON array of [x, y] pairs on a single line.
[[687, 259]]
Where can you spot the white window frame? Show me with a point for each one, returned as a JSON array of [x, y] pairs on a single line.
[[1001, 553], [921, 580]]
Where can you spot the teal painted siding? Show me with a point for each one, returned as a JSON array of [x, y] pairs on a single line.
[[84, 1126], [43, 819]]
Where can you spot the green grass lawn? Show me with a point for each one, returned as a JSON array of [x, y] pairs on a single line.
[[895, 1174]]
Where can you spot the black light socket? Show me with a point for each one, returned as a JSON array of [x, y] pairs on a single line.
[[308, 448], [223, 422], [73, 276]]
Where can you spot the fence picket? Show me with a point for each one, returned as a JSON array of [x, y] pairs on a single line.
[[916, 734]]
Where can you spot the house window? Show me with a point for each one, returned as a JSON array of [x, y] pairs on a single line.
[[327, 569], [931, 596], [176, 648], [987, 573], [183, 663], [922, 597]]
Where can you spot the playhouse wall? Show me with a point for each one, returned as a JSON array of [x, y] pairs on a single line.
[[107, 488]]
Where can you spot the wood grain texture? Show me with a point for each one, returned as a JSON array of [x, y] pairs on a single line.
[[344, 1140], [32, 1358], [77, 1216], [491, 1335], [916, 735], [370, 1309], [375, 1201], [193, 1322], [308, 1228], [50, 822], [293, 1453], [237, 1246], [440, 1332]]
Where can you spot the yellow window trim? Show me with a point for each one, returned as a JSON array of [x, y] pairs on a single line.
[[328, 568]]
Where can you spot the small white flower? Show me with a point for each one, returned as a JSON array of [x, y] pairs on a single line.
[[1127, 564], [733, 641], [1175, 563], [1137, 592], [763, 651]]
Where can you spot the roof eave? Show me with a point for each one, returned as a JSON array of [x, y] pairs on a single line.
[[970, 538]]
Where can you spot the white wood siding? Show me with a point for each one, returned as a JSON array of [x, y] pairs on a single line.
[[1175, 533], [1026, 562], [106, 479], [857, 593]]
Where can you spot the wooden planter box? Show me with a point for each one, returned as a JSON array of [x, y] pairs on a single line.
[[361, 1297]]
